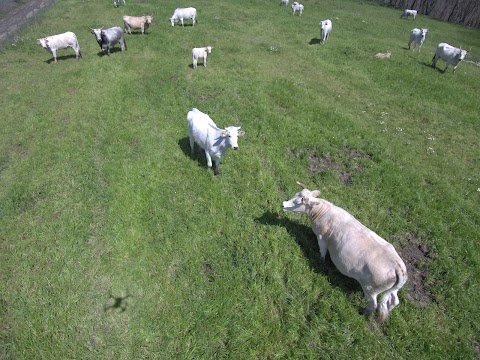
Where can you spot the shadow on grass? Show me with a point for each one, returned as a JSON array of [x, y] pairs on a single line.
[[116, 303], [184, 144], [61, 58], [307, 241], [113, 50], [315, 41]]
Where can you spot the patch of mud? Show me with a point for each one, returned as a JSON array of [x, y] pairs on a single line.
[[416, 257], [344, 163]]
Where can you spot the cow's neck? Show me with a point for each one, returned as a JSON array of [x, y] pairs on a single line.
[[318, 209]]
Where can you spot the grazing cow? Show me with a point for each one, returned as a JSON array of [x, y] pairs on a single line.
[[184, 13], [116, 3], [408, 13], [201, 53], [297, 7], [284, 2], [109, 37], [209, 137], [449, 54], [325, 29], [137, 22], [417, 36], [60, 41], [356, 251], [385, 55]]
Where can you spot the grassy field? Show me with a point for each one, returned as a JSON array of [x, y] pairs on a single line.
[[116, 243]]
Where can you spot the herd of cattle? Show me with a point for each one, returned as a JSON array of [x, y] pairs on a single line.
[[355, 250]]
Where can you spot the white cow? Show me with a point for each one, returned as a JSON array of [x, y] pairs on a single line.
[[60, 41], [184, 13], [417, 36], [201, 53], [109, 37], [297, 7], [408, 13], [137, 22], [116, 3], [325, 29], [356, 251], [284, 2], [449, 54], [209, 137]]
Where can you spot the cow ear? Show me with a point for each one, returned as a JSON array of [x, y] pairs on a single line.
[[241, 132], [315, 193]]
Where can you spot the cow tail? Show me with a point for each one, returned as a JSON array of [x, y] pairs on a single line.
[[401, 279]]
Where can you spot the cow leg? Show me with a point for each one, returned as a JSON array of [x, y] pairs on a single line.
[[54, 53], [192, 144], [217, 164], [181, 20], [371, 297], [434, 61], [393, 301], [209, 159], [322, 244], [205, 61]]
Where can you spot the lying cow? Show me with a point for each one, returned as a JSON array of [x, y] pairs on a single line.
[[109, 37], [200, 53], [356, 251], [325, 29], [297, 7], [417, 36], [215, 141], [137, 22], [60, 41], [385, 55], [407, 13], [449, 54], [184, 13]]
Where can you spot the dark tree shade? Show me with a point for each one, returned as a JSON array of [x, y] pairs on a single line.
[[465, 12]]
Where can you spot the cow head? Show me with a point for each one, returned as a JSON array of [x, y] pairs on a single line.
[[209, 50], [301, 201], [173, 19], [231, 135], [462, 55], [148, 19], [43, 42], [98, 34]]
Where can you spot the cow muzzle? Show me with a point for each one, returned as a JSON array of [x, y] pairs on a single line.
[[235, 148]]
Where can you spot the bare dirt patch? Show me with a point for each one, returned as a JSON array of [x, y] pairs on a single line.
[[344, 162], [416, 257]]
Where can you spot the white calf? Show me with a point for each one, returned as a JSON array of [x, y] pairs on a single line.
[[201, 53], [215, 141], [408, 13], [297, 7], [184, 13], [417, 36], [60, 41], [449, 54], [325, 29]]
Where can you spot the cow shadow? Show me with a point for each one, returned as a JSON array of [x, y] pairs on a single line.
[[113, 50], [307, 241], [315, 41], [184, 145], [60, 58]]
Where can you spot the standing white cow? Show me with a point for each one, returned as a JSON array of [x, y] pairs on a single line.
[[297, 7], [325, 29], [109, 37], [200, 53], [408, 13], [184, 13], [449, 54], [215, 141], [417, 36], [116, 3], [60, 41], [284, 2], [356, 251]]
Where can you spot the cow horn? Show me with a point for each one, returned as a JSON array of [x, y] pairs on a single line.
[[299, 183]]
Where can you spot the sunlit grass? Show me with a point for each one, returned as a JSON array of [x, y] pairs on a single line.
[[116, 242]]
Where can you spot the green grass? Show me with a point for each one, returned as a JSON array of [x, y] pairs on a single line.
[[116, 243]]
